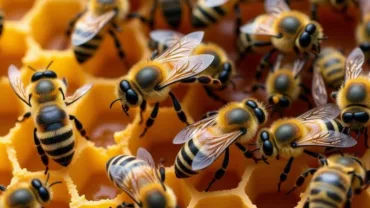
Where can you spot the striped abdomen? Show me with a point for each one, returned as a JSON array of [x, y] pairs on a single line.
[[85, 51], [328, 189], [334, 125], [55, 134], [126, 164], [332, 64], [185, 158], [172, 12], [204, 16], [155, 45]]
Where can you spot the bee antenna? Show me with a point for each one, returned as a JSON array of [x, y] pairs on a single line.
[[47, 67], [269, 106], [114, 101], [47, 179], [33, 69], [56, 182]]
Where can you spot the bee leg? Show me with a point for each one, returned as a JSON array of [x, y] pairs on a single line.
[[220, 172], [142, 109], [321, 158], [255, 87], [24, 117], [126, 205], [366, 138], [306, 204], [301, 179], [162, 173], [151, 119], [249, 154], [238, 21], [213, 96], [284, 175], [41, 152], [79, 126], [177, 106], [349, 197], [209, 114], [2, 188], [314, 11], [305, 88], [118, 45], [264, 63], [305, 99]]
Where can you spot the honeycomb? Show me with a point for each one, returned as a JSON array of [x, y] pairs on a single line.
[[34, 35]]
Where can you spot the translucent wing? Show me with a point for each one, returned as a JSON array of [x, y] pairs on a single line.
[[166, 37], [317, 137], [364, 6], [276, 7], [143, 154], [354, 63], [255, 28], [279, 59], [298, 67], [182, 48], [89, 26], [187, 67], [324, 112], [14, 76], [214, 3], [213, 147], [188, 132], [78, 94], [118, 173], [319, 93]]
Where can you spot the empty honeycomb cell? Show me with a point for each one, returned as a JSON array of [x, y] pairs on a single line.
[[16, 9], [180, 188], [49, 24], [232, 177], [222, 201], [262, 183]]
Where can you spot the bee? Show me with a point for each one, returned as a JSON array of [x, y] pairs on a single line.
[[221, 70], [291, 137], [2, 20], [203, 12], [331, 66], [291, 31], [151, 80], [138, 177], [341, 6], [334, 183], [352, 98], [207, 139], [27, 195], [90, 26], [47, 100], [363, 28]]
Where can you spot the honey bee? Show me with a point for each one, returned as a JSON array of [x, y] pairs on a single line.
[[47, 100], [138, 177], [151, 80], [207, 139], [222, 69], [363, 28], [27, 195], [203, 12], [334, 183], [331, 66], [291, 31], [291, 137], [90, 26], [352, 98], [341, 6]]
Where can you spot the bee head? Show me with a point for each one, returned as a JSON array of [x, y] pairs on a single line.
[[266, 143], [258, 110], [310, 38], [127, 94], [40, 190], [279, 100], [46, 74]]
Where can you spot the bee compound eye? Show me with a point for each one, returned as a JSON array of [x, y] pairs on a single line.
[[50, 74], [347, 117], [44, 194], [264, 136], [132, 97], [251, 104], [260, 115], [362, 117], [124, 85], [310, 29], [305, 39], [36, 183], [365, 47], [267, 148], [36, 76]]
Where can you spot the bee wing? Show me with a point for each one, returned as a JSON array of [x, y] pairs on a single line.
[[187, 67], [89, 26], [78, 94], [317, 137], [354, 63], [255, 28], [182, 48], [118, 174], [298, 67], [364, 6], [319, 93], [276, 7], [166, 37], [143, 154], [188, 132], [214, 3], [324, 112], [14, 76], [213, 147], [278, 61]]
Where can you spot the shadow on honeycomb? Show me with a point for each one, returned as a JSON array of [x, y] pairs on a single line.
[[34, 35]]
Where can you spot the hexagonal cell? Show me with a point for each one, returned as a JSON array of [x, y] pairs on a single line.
[[182, 192], [224, 201], [49, 24], [16, 9], [98, 119], [157, 140], [232, 177], [106, 63], [262, 184], [91, 162], [12, 47]]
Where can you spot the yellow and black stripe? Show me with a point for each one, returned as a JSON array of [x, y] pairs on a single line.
[[155, 45], [333, 125], [203, 16], [332, 64], [86, 51], [184, 159], [172, 12]]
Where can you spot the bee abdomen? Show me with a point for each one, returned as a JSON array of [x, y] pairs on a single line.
[[244, 43], [184, 160], [85, 51], [172, 12], [202, 17]]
